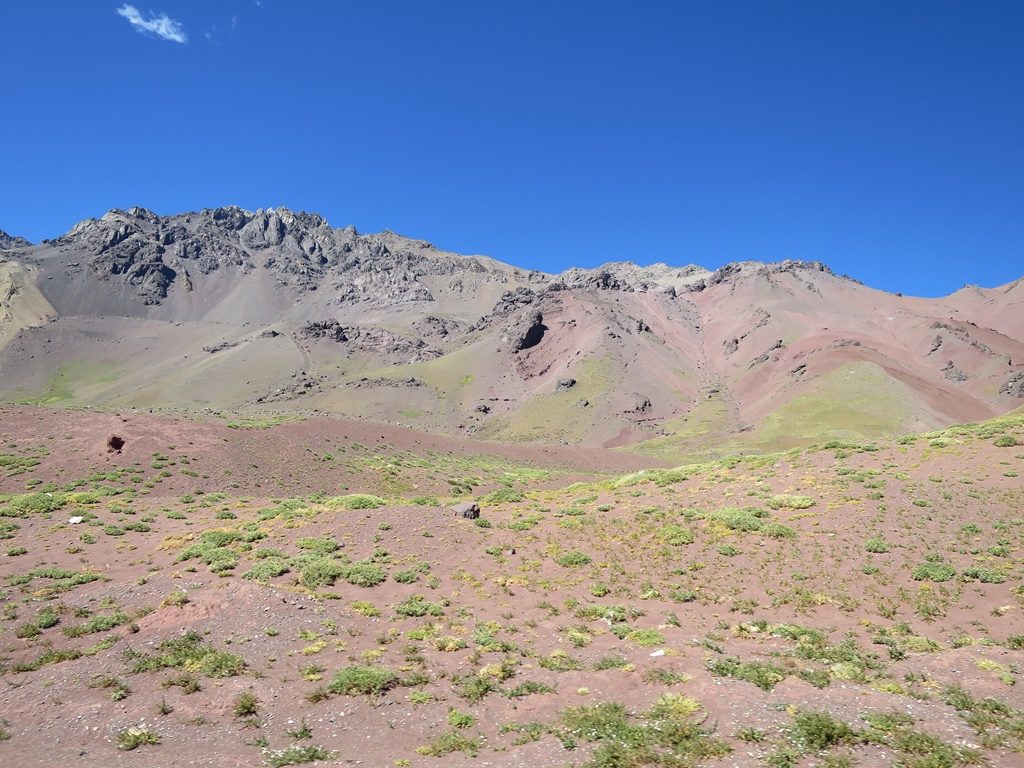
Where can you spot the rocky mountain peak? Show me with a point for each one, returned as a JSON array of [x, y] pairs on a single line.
[[297, 250], [736, 271], [762, 269], [136, 212], [300, 251], [273, 226], [8, 242], [627, 276]]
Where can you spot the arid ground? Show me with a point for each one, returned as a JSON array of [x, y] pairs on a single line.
[[287, 591]]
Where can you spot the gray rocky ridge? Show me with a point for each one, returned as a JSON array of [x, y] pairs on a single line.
[[151, 254], [8, 242]]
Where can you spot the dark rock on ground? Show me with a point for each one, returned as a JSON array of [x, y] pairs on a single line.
[[379, 381], [469, 510], [439, 327], [642, 404], [220, 346], [1014, 387], [952, 373], [765, 356], [361, 338]]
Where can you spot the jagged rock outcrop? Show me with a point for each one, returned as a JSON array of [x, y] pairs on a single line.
[[511, 304], [760, 269], [146, 251], [431, 327], [957, 331], [377, 341], [301, 385], [220, 346], [530, 332], [951, 372], [626, 276], [9, 242], [1014, 386], [735, 270], [519, 315], [766, 355], [151, 254], [301, 250]]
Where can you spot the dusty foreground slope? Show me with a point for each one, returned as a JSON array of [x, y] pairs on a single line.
[[277, 312], [852, 604]]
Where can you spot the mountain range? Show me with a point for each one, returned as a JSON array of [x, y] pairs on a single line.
[[277, 312]]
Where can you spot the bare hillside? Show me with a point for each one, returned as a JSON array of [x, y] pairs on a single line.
[[277, 312]]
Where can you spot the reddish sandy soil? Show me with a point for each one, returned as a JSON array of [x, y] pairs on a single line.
[[284, 460], [639, 587]]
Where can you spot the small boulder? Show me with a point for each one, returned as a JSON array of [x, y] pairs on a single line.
[[564, 384], [483, 408], [469, 510], [115, 444]]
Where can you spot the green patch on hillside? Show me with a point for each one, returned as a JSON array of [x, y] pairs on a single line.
[[401, 473], [553, 416], [703, 433], [67, 382], [450, 375], [1000, 426], [261, 422], [858, 401]]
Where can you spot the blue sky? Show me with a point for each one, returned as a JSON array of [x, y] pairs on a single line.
[[884, 138]]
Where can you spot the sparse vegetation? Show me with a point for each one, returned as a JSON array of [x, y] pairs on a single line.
[[660, 583], [362, 680], [133, 738], [187, 652]]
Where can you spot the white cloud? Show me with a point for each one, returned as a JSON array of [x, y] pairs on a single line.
[[162, 26]]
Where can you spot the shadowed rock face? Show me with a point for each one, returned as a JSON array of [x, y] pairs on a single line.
[[532, 333], [229, 308]]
